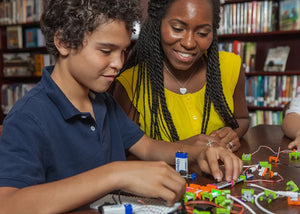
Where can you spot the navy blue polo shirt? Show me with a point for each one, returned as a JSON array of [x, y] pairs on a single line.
[[45, 138]]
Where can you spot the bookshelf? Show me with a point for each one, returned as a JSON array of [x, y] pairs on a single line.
[[266, 92], [22, 50]]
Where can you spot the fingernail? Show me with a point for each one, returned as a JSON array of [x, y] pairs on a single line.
[[218, 178]]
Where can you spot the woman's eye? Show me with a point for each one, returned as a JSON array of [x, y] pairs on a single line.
[[202, 34], [177, 29]]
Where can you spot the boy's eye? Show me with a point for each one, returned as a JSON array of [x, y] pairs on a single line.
[[105, 51]]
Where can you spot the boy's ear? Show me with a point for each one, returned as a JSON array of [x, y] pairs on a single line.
[[61, 46]]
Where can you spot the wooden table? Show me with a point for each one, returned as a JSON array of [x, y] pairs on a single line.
[[273, 137]]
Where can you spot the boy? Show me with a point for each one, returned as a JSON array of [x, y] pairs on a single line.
[[62, 144]]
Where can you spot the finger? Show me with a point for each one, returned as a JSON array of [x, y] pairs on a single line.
[[174, 189], [241, 164], [227, 159], [224, 132], [236, 168], [292, 145], [213, 164]]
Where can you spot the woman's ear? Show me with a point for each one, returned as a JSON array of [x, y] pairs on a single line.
[[61, 46]]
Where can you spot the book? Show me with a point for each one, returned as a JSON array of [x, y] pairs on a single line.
[[289, 15], [34, 38], [17, 64], [29, 11], [14, 37], [276, 58], [249, 56]]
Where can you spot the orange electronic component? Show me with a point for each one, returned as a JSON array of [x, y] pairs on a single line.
[[271, 174], [211, 186], [293, 202], [273, 159], [195, 186]]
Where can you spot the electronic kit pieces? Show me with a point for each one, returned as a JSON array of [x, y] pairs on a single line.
[[181, 163], [294, 155], [291, 186], [223, 184], [246, 157], [248, 195], [117, 209]]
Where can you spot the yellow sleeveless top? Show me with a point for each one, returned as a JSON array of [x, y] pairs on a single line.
[[187, 110]]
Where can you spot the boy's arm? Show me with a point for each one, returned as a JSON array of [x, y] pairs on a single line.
[[157, 179], [206, 157]]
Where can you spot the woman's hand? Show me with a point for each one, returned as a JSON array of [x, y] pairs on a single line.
[[208, 162], [228, 138]]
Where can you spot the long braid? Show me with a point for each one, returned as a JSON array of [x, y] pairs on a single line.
[[150, 75], [214, 88]]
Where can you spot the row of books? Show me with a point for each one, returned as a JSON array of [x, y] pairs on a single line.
[[246, 50], [25, 64], [33, 37], [259, 16], [248, 17], [259, 117], [275, 60], [271, 91], [20, 11], [10, 93]]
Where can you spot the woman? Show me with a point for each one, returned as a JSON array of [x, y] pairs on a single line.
[[176, 84]]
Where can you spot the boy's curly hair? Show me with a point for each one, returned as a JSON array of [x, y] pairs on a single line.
[[73, 19]]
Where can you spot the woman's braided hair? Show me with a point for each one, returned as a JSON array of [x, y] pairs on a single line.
[[149, 55]]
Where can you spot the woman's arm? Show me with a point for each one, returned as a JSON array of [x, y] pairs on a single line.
[[240, 106], [122, 98]]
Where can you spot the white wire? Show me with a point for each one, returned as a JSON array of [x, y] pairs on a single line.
[[259, 187], [259, 206], [242, 203]]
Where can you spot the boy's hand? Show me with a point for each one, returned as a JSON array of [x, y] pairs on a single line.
[[151, 179], [228, 138]]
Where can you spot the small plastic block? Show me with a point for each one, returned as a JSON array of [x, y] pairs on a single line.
[[249, 176], [293, 202], [207, 195], [270, 195], [222, 211], [211, 187], [226, 192], [193, 176], [200, 212], [248, 195], [265, 164], [262, 171], [273, 159], [219, 199], [294, 155], [188, 196], [227, 203], [291, 186], [195, 186], [244, 177], [246, 157]]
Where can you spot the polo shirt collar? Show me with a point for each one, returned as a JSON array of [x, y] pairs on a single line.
[[66, 108]]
